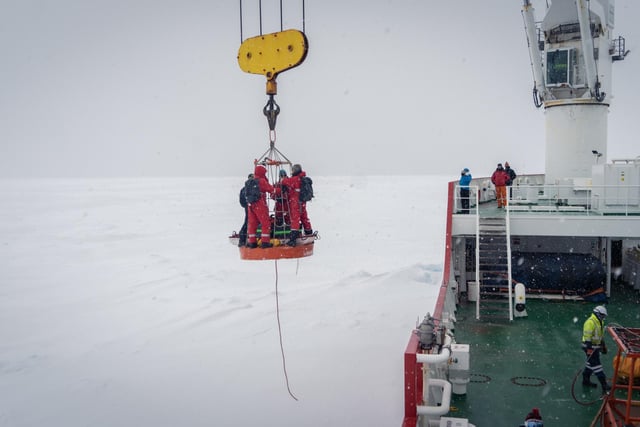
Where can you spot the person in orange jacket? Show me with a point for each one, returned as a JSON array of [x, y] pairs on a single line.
[[258, 212], [500, 178]]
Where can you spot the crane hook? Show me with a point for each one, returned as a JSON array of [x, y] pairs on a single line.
[[271, 111], [599, 96]]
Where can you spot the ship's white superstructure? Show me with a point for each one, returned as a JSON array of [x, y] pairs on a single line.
[[572, 51]]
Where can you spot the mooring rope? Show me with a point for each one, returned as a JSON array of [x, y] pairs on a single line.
[[284, 363]]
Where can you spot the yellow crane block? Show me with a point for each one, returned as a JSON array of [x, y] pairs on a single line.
[[271, 54]]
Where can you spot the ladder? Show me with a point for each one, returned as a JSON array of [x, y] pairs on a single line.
[[493, 264]]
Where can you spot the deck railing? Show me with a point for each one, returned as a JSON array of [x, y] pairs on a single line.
[[444, 315], [620, 200]]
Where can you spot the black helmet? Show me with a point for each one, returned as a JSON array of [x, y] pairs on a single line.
[[296, 169]]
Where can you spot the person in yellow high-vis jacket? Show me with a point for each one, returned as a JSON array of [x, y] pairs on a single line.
[[593, 344]]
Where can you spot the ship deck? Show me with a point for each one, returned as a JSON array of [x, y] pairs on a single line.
[[533, 361]]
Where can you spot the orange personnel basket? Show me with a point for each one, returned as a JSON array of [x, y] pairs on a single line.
[[275, 161], [301, 250]]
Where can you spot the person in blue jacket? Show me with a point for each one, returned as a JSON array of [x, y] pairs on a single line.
[[465, 180]]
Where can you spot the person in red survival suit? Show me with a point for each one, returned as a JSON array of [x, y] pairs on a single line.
[[297, 208], [259, 211], [304, 217], [281, 209]]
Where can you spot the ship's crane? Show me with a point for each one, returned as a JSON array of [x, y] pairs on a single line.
[[572, 50]]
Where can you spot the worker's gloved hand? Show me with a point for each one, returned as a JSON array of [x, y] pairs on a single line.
[[588, 348]]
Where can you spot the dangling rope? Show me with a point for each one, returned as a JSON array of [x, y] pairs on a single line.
[[284, 363]]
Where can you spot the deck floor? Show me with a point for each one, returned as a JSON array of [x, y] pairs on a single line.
[[532, 362]]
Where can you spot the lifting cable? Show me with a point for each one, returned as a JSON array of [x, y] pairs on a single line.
[[260, 18]]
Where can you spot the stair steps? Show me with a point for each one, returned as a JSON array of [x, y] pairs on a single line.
[[493, 267]]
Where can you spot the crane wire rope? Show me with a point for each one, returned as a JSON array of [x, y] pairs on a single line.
[[599, 96], [284, 362], [241, 39], [281, 18]]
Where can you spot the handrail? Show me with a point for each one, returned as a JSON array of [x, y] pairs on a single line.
[[477, 288], [580, 197], [508, 243]]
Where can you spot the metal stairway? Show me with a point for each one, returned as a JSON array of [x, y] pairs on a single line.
[[494, 268]]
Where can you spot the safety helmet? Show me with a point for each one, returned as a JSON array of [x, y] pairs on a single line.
[[600, 310]]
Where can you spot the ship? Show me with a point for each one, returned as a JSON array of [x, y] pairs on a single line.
[[520, 280]]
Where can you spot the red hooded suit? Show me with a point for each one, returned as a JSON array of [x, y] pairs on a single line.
[[297, 208], [258, 212]]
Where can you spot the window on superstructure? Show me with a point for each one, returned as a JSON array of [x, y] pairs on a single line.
[[560, 67]]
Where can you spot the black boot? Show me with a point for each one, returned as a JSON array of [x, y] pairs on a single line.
[[586, 381], [603, 382], [308, 232], [252, 245], [266, 245], [293, 238]]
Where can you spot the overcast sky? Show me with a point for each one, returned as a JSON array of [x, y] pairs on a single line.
[[152, 87]]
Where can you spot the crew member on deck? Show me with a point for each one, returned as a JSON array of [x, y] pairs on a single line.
[[593, 344], [465, 179], [512, 177], [533, 419], [499, 179]]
